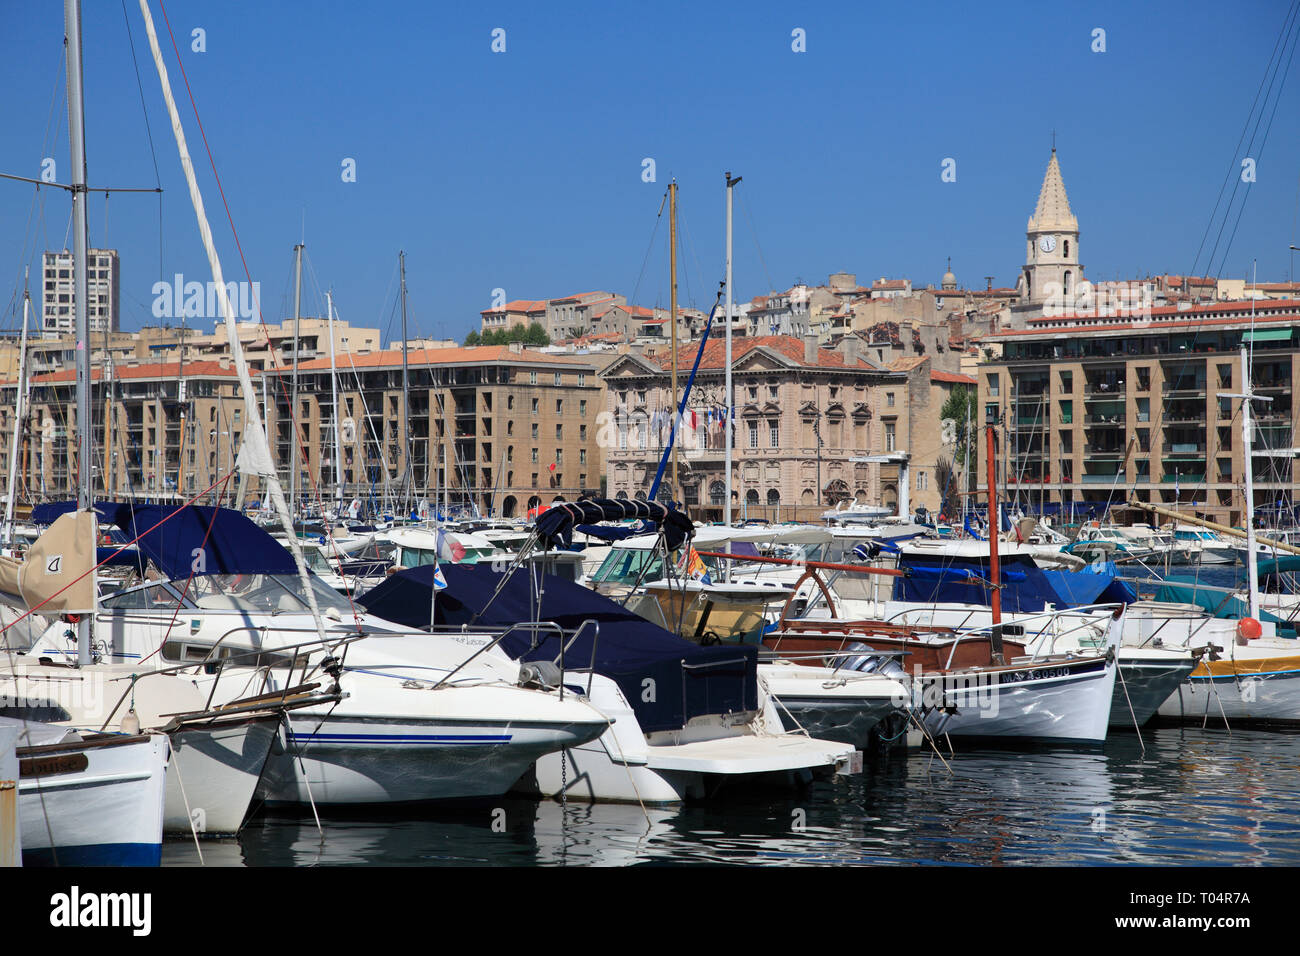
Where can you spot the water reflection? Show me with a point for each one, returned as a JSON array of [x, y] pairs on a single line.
[[1191, 796]]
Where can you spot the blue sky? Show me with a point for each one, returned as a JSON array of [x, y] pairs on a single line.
[[522, 170]]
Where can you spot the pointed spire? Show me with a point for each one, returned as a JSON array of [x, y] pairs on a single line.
[[1053, 209]]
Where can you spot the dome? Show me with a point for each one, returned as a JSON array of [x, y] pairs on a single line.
[[949, 281]]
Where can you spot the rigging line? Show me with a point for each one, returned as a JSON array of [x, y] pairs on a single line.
[[1255, 132], [298, 445], [1259, 154], [645, 260], [1232, 159], [744, 206], [153, 153]]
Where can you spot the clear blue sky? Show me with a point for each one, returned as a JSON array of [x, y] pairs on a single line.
[[522, 170]]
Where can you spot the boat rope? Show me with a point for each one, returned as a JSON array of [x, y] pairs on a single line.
[[176, 763], [1119, 672]]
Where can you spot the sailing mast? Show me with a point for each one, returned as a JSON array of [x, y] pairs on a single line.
[[80, 231], [672, 268], [293, 407], [334, 392], [407, 485], [18, 414], [995, 579], [728, 400], [1247, 395]]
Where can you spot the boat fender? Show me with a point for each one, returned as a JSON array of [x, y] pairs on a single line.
[[131, 722], [1248, 629]]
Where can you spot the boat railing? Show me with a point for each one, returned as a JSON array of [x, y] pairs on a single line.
[[499, 637], [1087, 612], [302, 650]]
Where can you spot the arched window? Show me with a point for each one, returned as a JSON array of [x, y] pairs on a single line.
[[751, 498], [1067, 250], [718, 493], [773, 497]]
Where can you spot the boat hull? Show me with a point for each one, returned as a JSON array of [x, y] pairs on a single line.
[[1058, 702], [1257, 689], [215, 772], [109, 813], [1143, 686], [356, 760]]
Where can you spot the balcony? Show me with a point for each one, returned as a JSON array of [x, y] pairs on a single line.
[[1094, 420], [1095, 479]]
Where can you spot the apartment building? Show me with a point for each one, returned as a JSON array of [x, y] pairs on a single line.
[[1097, 409], [500, 428], [103, 282]]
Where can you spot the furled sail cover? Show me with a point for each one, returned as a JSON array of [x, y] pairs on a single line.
[[688, 680], [555, 525], [55, 573]]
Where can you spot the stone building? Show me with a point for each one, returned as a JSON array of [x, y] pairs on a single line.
[[801, 414], [497, 428]]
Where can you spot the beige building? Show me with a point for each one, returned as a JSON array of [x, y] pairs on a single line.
[[500, 428], [103, 282], [175, 429], [1052, 270], [802, 413], [1096, 410]]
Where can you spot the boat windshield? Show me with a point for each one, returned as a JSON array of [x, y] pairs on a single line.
[[628, 565], [276, 593]]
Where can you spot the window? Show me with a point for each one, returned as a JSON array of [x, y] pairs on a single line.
[[510, 402], [559, 456], [992, 384], [559, 406], [532, 378], [922, 481], [582, 407], [535, 407], [558, 378], [582, 378], [774, 434], [753, 394], [559, 432], [582, 456], [582, 433], [753, 434], [772, 392], [889, 399], [534, 429], [889, 436], [534, 459], [510, 426]]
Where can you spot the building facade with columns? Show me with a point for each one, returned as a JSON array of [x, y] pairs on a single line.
[[802, 413]]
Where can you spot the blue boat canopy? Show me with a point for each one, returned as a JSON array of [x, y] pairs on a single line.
[[1026, 588], [555, 525], [184, 539], [689, 680]]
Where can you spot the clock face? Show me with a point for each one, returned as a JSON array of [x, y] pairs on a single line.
[[1047, 243]]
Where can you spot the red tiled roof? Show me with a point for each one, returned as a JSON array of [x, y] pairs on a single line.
[[448, 356], [519, 305], [787, 345], [1145, 326], [201, 369], [951, 377]]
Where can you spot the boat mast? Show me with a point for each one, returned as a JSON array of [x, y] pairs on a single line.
[[672, 269], [334, 392], [995, 580], [18, 414], [726, 421], [1248, 395], [406, 397], [77, 141], [293, 408]]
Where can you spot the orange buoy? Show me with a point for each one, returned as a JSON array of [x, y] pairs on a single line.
[[1248, 629]]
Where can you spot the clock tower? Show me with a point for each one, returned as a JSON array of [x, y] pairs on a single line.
[[1052, 271]]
